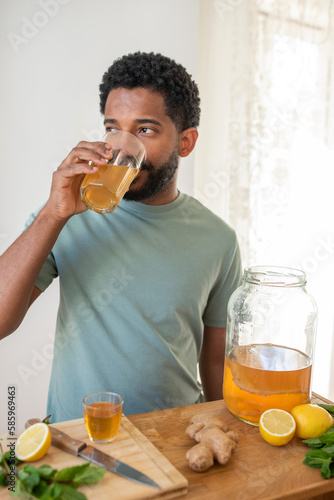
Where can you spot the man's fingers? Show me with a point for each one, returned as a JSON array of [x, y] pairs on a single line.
[[98, 146], [78, 155], [97, 152], [76, 169]]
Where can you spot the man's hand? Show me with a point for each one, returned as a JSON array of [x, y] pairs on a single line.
[[64, 200]]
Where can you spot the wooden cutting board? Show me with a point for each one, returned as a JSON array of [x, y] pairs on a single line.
[[257, 470], [130, 446]]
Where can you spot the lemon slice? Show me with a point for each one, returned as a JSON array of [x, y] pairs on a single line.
[[277, 427], [33, 443], [311, 420]]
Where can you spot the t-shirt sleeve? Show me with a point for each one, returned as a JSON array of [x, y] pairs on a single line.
[[49, 270], [229, 279]]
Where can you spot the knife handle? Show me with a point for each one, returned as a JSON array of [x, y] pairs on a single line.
[[66, 442], [60, 439]]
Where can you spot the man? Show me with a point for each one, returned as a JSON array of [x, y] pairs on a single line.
[[144, 290]]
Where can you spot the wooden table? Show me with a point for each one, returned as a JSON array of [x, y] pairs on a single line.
[[256, 470], [156, 444]]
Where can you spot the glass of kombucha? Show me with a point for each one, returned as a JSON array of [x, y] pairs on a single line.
[[102, 191], [102, 415], [270, 339]]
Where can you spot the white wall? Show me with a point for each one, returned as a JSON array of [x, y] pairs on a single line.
[[53, 54]]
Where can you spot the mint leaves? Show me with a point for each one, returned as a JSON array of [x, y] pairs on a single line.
[[47, 483], [322, 454], [320, 459]]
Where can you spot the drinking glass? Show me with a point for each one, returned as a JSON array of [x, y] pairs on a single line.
[[102, 414], [102, 191]]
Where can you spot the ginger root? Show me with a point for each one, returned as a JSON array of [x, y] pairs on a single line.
[[215, 442]]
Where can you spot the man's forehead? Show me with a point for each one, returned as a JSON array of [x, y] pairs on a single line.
[[136, 100]]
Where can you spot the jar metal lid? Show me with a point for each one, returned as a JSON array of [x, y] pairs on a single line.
[[274, 276]]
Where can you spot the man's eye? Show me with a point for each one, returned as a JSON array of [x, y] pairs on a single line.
[[147, 130], [110, 129]]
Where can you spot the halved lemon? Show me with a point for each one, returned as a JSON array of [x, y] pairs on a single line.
[[277, 427], [33, 443]]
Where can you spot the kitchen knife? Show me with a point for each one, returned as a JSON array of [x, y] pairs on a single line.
[[81, 449]]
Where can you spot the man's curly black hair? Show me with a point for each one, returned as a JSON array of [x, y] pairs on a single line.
[[158, 73]]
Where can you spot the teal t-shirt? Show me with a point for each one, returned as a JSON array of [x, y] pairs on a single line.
[[136, 288]]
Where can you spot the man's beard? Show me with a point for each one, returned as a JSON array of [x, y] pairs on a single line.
[[157, 178]]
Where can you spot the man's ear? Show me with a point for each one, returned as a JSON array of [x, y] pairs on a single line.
[[188, 140]]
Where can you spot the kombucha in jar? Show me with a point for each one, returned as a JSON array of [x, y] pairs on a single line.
[[269, 343]]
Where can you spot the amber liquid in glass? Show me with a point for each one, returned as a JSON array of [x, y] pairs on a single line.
[[258, 377], [103, 191], [102, 420]]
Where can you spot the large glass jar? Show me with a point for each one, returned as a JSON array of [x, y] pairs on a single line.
[[270, 339]]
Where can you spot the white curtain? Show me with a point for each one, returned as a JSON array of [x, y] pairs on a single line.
[[265, 158]]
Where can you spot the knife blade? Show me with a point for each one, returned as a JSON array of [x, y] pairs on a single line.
[[81, 449]]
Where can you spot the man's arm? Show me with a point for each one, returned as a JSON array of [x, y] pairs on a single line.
[[211, 362], [23, 260], [19, 269]]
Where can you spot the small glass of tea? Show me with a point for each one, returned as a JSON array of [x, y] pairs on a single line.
[[102, 191], [102, 414]]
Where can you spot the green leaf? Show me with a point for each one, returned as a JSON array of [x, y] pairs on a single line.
[[313, 442], [22, 492], [52, 492], [56, 491], [70, 493], [316, 458], [313, 462], [325, 468], [46, 472], [327, 438], [46, 483], [29, 477], [317, 453], [329, 449], [3, 479], [28, 469], [42, 490], [90, 475], [68, 474]]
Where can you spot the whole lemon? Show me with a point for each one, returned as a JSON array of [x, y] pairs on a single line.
[[311, 420]]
